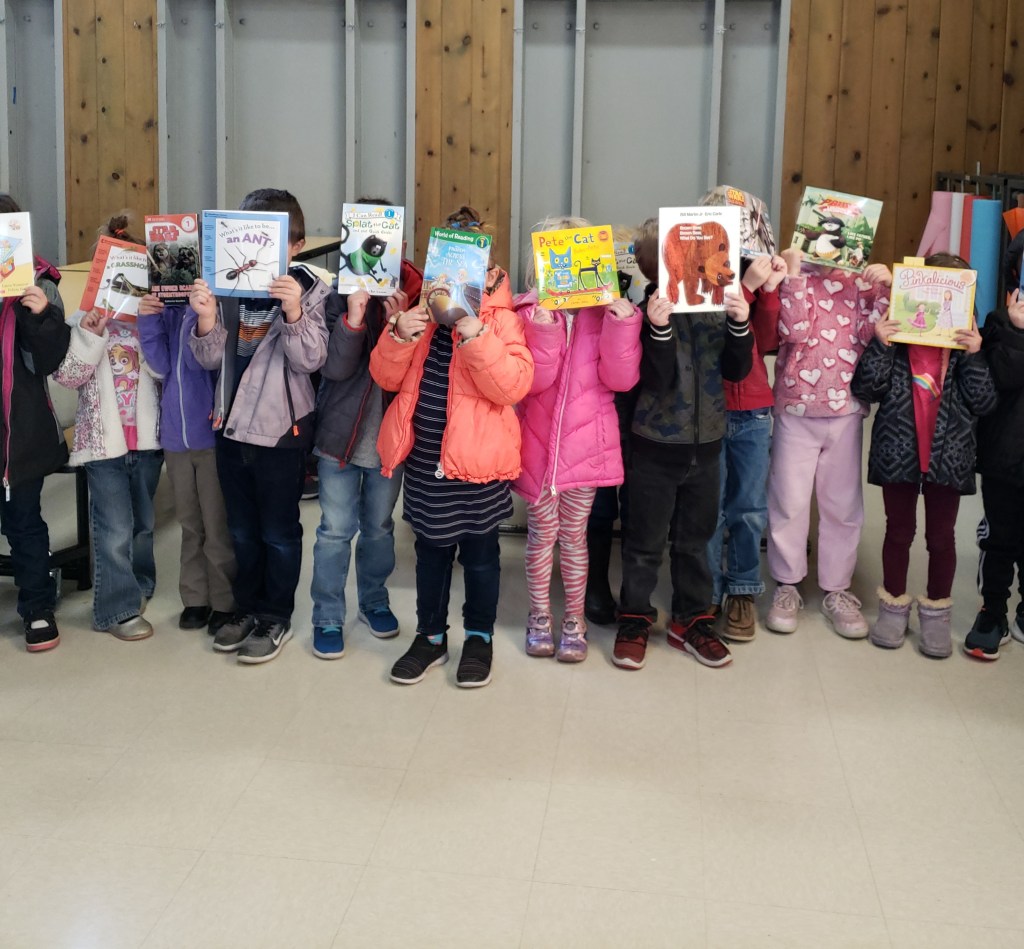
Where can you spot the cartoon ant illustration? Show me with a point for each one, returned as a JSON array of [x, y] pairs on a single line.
[[595, 262], [244, 268], [364, 259]]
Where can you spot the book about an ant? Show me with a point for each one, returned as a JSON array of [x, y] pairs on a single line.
[[172, 242], [244, 251], [454, 274], [931, 303], [371, 249], [698, 256], [118, 279], [575, 267], [17, 265], [834, 229]]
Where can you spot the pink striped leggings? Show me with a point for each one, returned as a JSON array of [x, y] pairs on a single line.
[[561, 517]]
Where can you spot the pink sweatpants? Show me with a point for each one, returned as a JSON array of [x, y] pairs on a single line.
[[562, 517], [820, 457]]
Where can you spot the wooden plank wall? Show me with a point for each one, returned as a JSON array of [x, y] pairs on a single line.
[[110, 101], [464, 115], [882, 94]]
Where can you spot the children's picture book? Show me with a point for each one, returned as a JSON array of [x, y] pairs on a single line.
[[698, 256], [454, 274], [632, 283], [244, 251], [575, 267], [834, 229], [756, 236], [371, 249], [931, 303], [17, 265], [172, 242], [118, 278]]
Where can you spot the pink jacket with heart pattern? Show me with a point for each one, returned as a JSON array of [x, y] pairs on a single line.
[[826, 318]]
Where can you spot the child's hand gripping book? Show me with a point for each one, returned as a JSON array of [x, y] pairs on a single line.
[[575, 267], [244, 251], [371, 249], [172, 243], [118, 279], [454, 274], [17, 265]]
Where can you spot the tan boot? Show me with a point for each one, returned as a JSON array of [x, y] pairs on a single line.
[[740, 619]]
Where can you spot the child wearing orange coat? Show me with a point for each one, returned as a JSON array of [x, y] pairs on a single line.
[[453, 425]]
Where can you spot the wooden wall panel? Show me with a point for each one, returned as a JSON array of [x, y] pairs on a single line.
[[923, 86], [463, 114], [110, 126]]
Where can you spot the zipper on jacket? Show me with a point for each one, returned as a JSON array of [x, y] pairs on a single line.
[[182, 342], [291, 405], [569, 337], [355, 428]]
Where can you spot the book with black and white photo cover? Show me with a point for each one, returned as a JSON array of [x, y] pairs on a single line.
[[172, 242]]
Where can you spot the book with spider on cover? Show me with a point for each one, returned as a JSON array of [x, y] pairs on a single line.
[[118, 279], [575, 267], [371, 249], [244, 251], [17, 265], [172, 241], [931, 303], [454, 274]]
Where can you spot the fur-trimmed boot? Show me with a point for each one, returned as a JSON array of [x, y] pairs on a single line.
[[935, 617], [890, 629]]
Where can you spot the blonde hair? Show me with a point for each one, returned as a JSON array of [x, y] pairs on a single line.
[[555, 222]]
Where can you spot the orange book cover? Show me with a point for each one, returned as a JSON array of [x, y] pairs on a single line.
[[118, 278]]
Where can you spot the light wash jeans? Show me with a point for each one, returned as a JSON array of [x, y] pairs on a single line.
[[743, 511], [353, 500], [121, 510]]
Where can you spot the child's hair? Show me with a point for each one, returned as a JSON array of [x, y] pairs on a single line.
[[273, 199], [1011, 262], [8, 205], [121, 227], [370, 199], [645, 247], [553, 223], [946, 260]]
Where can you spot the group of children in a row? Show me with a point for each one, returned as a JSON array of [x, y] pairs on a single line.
[[563, 407]]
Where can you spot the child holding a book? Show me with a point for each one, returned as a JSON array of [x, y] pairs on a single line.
[[33, 342], [571, 445], [674, 468], [453, 425], [263, 415], [826, 319], [117, 439], [354, 495], [1001, 466], [922, 443], [186, 407]]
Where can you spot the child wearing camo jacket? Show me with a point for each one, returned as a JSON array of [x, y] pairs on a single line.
[[826, 318]]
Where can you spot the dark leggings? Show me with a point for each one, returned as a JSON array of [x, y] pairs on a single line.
[[941, 504]]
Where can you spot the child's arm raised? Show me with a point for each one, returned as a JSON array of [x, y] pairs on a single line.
[[545, 336], [874, 301], [658, 344], [348, 341], [42, 330], [304, 333], [88, 346], [619, 349], [391, 358], [154, 336], [795, 304], [208, 336], [973, 376], [1003, 344], [497, 356]]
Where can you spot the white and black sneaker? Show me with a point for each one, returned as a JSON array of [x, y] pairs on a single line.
[[265, 641], [234, 632], [419, 657], [474, 670]]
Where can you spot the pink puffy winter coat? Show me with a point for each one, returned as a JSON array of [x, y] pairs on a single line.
[[568, 420]]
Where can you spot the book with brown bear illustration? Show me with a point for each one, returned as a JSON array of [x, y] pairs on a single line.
[[698, 256]]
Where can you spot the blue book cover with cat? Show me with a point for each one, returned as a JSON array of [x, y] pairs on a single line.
[[244, 251], [575, 267], [454, 274]]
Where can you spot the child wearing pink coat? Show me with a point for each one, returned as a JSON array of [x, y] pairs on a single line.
[[826, 319], [571, 447]]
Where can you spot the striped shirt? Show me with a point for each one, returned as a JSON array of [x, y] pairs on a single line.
[[253, 325], [441, 509]]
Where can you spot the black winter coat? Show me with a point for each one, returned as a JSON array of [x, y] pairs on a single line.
[[883, 375], [1001, 434], [32, 443]]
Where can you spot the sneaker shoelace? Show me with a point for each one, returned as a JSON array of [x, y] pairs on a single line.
[[787, 599], [843, 602], [702, 639]]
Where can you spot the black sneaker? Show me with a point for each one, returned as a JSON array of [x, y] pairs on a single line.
[[265, 641], [474, 670], [194, 617], [1017, 626], [217, 619], [234, 632], [419, 657], [988, 633], [41, 631]]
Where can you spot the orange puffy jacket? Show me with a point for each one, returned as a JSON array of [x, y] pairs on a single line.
[[488, 375]]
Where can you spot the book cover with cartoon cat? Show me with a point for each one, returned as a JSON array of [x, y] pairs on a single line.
[[172, 242], [17, 265], [632, 283], [244, 251], [118, 278], [834, 229], [454, 274], [371, 249], [931, 304], [575, 267], [698, 256]]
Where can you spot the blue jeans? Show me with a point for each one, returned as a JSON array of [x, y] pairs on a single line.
[[121, 510], [480, 556], [353, 499], [744, 505], [22, 523], [262, 487]]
